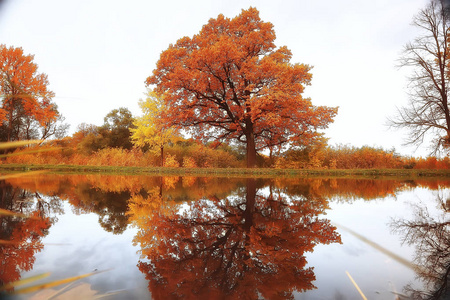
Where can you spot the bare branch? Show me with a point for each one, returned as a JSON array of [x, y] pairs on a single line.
[[427, 113]]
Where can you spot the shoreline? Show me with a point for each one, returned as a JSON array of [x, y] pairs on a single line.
[[226, 172]]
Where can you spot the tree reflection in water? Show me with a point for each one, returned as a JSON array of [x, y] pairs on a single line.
[[238, 244], [430, 234], [21, 237], [247, 245]]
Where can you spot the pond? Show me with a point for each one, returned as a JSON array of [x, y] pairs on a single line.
[[151, 237]]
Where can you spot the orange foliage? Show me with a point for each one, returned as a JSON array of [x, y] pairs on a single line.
[[341, 157], [189, 162], [170, 161], [203, 156], [25, 93], [65, 152], [104, 157], [430, 163], [230, 81], [363, 158], [347, 157], [198, 155]]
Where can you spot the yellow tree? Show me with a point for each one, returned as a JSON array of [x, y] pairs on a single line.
[[148, 130]]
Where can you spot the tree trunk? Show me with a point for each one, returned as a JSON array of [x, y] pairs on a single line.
[[251, 150], [10, 120], [162, 156]]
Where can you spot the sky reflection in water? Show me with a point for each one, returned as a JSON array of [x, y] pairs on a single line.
[[246, 238]]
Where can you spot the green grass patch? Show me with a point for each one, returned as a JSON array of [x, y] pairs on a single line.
[[226, 172]]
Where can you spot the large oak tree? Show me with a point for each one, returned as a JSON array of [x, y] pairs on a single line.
[[230, 82]]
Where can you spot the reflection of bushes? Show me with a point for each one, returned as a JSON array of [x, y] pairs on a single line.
[[108, 195], [348, 189], [70, 187], [64, 186]]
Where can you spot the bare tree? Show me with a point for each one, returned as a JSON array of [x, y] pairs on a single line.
[[427, 113]]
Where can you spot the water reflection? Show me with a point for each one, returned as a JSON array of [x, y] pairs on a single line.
[[41, 198], [21, 238], [429, 233], [109, 206], [245, 246], [352, 189], [205, 237]]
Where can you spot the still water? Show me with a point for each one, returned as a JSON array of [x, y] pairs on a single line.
[[147, 237]]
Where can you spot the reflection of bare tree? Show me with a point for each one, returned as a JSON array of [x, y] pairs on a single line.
[[430, 235], [245, 246]]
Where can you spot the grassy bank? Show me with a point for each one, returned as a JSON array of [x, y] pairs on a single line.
[[266, 172]]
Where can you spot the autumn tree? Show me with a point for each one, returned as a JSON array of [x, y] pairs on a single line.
[[148, 131], [55, 128], [427, 113], [117, 125], [26, 101], [82, 131], [114, 133], [230, 82]]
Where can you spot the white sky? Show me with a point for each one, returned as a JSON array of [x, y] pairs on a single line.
[[98, 53]]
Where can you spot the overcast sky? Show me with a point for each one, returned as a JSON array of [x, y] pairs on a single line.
[[98, 53]]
